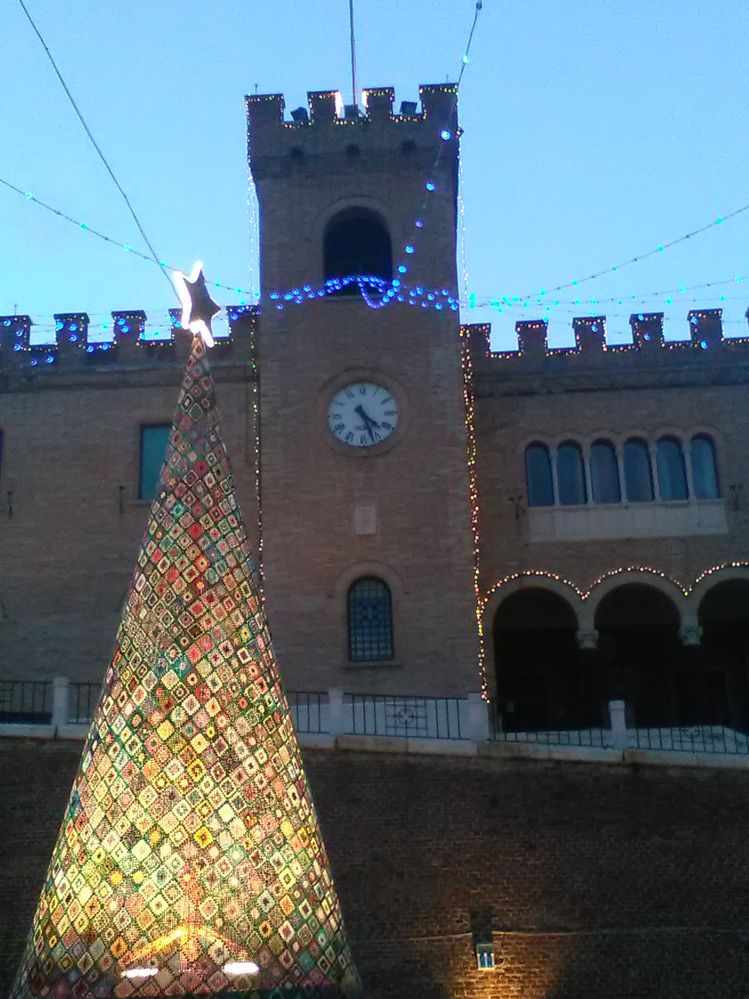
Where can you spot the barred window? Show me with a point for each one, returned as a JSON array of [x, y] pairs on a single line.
[[370, 620]]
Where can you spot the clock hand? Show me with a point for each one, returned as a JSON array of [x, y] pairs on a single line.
[[367, 419]]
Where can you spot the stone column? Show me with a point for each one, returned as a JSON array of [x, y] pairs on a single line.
[[478, 718]]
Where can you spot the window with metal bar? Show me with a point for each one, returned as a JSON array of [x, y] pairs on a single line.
[[370, 620]]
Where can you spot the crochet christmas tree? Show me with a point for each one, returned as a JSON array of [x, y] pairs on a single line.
[[189, 860]]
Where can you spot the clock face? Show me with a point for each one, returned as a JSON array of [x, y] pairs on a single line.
[[362, 414]]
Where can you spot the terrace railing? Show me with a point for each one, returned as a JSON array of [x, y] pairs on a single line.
[[59, 706], [26, 702], [82, 700], [410, 717], [692, 739]]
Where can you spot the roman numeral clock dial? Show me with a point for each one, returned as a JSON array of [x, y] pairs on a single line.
[[362, 414]]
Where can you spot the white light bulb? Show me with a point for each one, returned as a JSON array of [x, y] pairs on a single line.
[[241, 968], [140, 972]]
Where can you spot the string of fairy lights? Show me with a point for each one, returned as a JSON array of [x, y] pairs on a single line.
[[397, 290]]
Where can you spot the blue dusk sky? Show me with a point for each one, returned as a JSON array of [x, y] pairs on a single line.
[[594, 131]]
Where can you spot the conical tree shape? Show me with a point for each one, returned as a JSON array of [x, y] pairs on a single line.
[[190, 851]]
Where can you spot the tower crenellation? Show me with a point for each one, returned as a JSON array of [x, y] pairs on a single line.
[[326, 107], [123, 342], [706, 343]]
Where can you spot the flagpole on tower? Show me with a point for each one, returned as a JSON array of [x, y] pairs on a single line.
[[354, 85]]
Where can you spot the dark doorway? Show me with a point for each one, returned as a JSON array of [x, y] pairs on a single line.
[[542, 680], [640, 652], [721, 669]]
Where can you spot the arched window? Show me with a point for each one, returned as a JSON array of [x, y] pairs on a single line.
[[538, 475], [370, 620], [672, 473], [604, 473], [638, 475], [357, 242], [704, 468], [571, 474]]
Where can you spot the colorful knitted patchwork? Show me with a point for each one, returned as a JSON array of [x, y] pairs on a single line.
[[190, 859]]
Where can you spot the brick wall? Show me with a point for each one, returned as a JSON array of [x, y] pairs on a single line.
[[71, 440], [598, 882], [311, 489]]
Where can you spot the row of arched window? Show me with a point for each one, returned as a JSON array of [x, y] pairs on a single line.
[[636, 472]]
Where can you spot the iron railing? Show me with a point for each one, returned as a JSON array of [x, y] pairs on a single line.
[[82, 700], [26, 702], [691, 739], [593, 736], [405, 716], [398, 715], [307, 710]]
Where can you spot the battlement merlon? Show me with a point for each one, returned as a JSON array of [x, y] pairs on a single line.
[[124, 344], [591, 351], [327, 124]]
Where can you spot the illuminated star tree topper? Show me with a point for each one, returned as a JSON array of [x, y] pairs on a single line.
[[198, 308]]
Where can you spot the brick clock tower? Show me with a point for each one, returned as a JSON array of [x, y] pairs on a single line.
[[367, 546]]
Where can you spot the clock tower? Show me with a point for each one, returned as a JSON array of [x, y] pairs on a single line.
[[365, 513]]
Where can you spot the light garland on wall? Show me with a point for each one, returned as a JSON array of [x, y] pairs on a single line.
[[706, 333], [396, 290], [473, 494], [74, 329], [684, 588]]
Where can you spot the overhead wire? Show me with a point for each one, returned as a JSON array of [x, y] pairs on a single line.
[[97, 147], [613, 268], [510, 302]]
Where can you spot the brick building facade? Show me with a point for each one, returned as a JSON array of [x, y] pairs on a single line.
[[605, 484]]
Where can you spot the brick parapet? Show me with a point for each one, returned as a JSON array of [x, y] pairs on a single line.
[[334, 134], [705, 358], [74, 352]]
